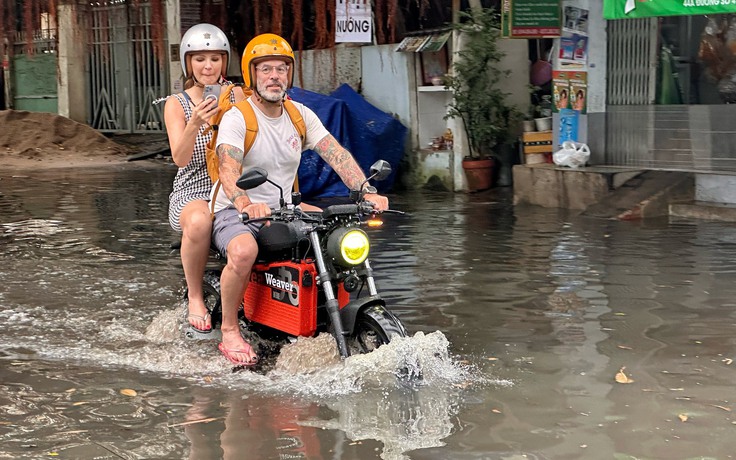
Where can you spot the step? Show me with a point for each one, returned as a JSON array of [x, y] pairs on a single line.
[[704, 210]]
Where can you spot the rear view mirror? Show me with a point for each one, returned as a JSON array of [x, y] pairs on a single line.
[[252, 178], [380, 170]]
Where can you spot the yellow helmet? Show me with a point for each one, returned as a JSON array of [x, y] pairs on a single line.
[[262, 47]]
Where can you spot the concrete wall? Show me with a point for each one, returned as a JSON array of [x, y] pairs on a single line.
[[715, 188], [71, 88], [322, 71], [597, 87], [386, 80], [174, 33]]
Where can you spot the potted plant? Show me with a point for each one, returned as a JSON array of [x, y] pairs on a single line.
[[487, 118]]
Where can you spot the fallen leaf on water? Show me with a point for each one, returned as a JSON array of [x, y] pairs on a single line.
[[619, 314], [727, 409], [128, 392], [623, 378], [682, 417], [624, 347]]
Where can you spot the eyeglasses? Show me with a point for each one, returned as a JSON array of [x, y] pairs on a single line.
[[267, 69]]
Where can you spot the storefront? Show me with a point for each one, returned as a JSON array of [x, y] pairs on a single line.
[[672, 80]]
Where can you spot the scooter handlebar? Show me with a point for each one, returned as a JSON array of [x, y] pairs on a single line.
[[245, 218]]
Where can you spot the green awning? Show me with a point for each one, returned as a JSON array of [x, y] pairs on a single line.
[[619, 9]]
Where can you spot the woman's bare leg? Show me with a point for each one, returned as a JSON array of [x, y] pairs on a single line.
[[196, 224]]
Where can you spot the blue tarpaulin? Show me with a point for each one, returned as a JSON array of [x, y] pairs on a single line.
[[367, 132]]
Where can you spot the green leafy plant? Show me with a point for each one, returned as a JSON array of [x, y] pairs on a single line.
[[488, 119]]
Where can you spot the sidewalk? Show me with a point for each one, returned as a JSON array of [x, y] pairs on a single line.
[[144, 145]]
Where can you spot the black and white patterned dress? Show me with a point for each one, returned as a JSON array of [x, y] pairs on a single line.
[[192, 181]]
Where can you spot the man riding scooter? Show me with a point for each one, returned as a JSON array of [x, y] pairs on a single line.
[[267, 66]]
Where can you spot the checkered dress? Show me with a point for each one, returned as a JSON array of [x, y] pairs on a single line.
[[192, 181]]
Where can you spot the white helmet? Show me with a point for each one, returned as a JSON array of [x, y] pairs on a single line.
[[204, 37]]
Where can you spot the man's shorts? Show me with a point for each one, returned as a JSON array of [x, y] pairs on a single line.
[[227, 225]]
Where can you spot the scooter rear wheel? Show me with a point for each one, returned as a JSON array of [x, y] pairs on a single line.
[[374, 326]]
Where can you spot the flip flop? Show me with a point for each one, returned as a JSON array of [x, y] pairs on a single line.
[[228, 353], [199, 318]]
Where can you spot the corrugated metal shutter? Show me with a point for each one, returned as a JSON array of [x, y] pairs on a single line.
[[632, 61]]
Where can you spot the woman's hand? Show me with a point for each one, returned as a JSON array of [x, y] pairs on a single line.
[[204, 111]]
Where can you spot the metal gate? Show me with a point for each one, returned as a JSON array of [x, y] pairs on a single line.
[[631, 89], [632, 61], [124, 76]]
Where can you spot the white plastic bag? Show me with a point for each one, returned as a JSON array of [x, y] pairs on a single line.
[[572, 154]]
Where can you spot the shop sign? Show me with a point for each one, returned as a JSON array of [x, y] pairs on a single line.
[[353, 21], [530, 18], [618, 9]]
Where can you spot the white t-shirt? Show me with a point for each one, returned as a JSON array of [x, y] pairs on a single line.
[[277, 149]]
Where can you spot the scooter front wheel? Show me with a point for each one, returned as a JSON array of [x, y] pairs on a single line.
[[374, 326]]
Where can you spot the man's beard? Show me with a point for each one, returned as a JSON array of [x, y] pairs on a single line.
[[269, 96]]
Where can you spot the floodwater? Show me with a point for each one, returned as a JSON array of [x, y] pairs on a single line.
[[541, 335]]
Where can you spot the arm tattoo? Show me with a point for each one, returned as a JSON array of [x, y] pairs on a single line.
[[231, 161], [341, 161], [237, 194]]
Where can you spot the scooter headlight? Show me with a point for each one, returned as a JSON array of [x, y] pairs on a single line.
[[348, 246]]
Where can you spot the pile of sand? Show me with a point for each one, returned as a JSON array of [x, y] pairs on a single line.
[[37, 139]]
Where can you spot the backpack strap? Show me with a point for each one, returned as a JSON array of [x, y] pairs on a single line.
[[297, 119], [301, 128], [251, 124], [214, 199]]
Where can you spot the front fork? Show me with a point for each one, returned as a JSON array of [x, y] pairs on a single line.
[[369, 277], [332, 305]]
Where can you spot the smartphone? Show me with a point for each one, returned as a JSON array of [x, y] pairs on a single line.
[[212, 91]]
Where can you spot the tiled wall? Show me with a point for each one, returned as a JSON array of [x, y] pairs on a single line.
[[673, 137]]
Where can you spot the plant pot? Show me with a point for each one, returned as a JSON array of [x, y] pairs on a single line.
[[528, 126], [479, 173], [543, 124]]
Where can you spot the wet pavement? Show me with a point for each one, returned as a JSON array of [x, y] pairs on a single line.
[[541, 334]]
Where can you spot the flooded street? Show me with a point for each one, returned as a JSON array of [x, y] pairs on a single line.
[[540, 334]]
